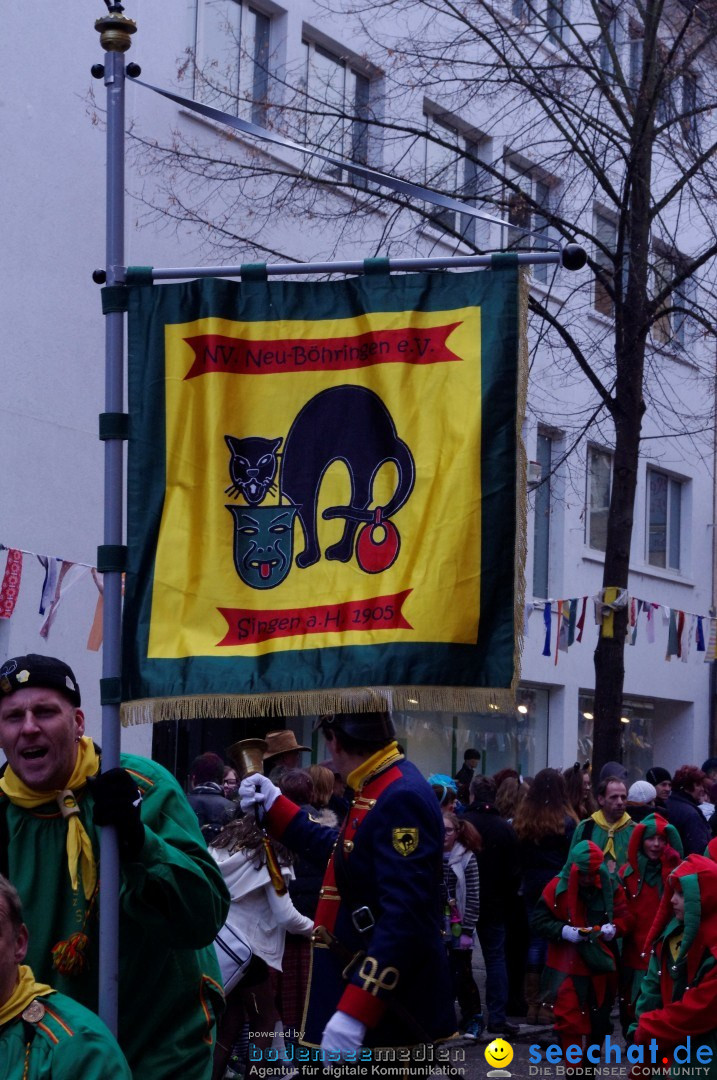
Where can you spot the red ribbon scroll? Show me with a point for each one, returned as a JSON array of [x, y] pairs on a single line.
[[249, 627], [239, 356]]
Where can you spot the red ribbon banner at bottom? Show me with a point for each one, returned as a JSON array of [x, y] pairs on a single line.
[[248, 627]]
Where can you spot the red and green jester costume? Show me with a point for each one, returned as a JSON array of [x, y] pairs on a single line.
[[643, 880], [679, 992], [581, 977]]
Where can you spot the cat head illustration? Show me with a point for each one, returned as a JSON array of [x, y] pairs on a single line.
[[252, 467]]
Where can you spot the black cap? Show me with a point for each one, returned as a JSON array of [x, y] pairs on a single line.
[[657, 775], [364, 726], [45, 672], [613, 769]]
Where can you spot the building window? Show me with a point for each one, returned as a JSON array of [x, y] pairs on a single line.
[[664, 520], [555, 20], [690, 104], [605, 247], [598, 501], [637, 732], [454, 167], [338, 99], [636, 51], [672, 323], [541, 530], [529, 197], [232, 54], [610, 39], [550, 15]]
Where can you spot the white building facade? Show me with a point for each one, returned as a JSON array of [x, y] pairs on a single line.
[[275, 65]]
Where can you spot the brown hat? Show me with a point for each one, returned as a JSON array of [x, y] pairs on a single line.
[[281, 742]]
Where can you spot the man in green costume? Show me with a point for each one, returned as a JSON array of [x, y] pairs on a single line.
[[53, 798], [610, 826], [44, 1034]]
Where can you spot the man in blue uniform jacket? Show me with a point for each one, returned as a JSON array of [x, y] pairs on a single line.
[[379, 974]]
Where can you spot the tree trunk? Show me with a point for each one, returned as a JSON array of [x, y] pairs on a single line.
[[610, 651]]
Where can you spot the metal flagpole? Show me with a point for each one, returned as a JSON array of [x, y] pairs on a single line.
[[571, 257], [115, 30]]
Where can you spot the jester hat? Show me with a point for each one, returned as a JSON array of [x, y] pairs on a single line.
[[585, 858], [637, 860], [696, 876]]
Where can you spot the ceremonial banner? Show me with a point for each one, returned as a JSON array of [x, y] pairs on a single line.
[[325, 492]]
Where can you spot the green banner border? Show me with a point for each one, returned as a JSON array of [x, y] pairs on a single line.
[[490, 662]]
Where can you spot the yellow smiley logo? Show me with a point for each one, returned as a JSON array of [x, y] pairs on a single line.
[[499, 1053]]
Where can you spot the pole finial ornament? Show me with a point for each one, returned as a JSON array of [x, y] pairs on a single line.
[[115, 29]]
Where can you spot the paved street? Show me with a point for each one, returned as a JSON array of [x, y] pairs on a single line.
[[470, 1059]]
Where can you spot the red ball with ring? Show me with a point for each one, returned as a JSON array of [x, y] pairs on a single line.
[[378, 544]]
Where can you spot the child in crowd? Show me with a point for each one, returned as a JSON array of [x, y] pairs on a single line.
[[679, 992], [654, 851], [581, 912], [460, 875]]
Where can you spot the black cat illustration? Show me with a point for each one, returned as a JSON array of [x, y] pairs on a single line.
[[252, 468], [349, 424]]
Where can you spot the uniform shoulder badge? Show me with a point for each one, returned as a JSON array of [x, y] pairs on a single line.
[[34, 1012], [405, 840]]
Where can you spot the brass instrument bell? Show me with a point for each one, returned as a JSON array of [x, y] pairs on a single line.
[[247, 756]]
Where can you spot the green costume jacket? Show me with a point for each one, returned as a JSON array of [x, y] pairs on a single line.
[[668, 1014], [172, 903], [67, 1043], [590, 830]]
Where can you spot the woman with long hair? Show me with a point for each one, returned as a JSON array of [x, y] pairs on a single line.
[[544, 824], [261, 912], [460, 876], [580, 790]]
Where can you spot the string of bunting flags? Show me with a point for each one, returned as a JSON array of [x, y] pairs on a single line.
[[60, 576], [563, 620], [564, 623]]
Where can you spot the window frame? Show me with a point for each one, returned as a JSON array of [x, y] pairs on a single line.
[[593, 451], [542, 516], [540, 191], [675, 489], [672, 329], [354, 109], [248, 98], [472, 150], [603, 303]]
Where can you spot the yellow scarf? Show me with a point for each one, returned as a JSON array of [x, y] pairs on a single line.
[[79, 845], [602, 822], [25, 992], [675, 943]]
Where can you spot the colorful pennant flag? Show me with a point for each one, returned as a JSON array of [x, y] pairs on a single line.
[[68, 575], [10, 588]]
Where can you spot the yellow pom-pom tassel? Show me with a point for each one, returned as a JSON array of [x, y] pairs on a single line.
[[70, 957]]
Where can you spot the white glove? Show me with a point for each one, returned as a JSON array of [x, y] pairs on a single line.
[[608, 931], [342, 1034], [257, 790], [571, 933]]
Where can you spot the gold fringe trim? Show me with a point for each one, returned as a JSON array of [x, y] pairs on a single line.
[[521, 480], [457, 699]]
